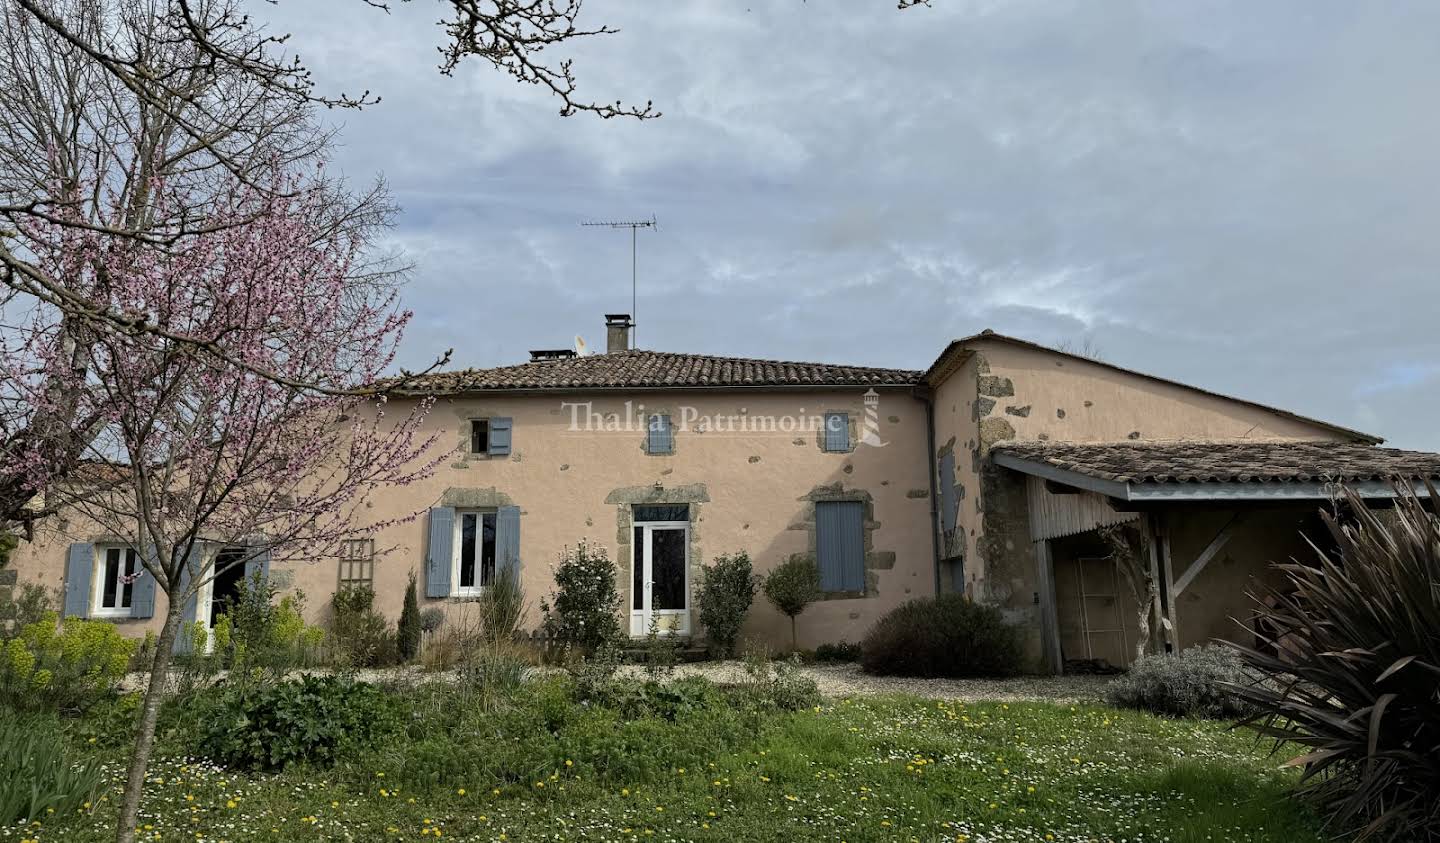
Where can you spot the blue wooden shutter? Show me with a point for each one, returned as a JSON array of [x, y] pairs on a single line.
[[79, 564], [840, 545], [142, 593], [661, 437], [500, 436], [258, 563], [507, 540], [188, 615], [837, 432], [949, 507], [440, 552]]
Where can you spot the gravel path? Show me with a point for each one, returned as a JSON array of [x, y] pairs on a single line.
[[847, 680], [833, 680]]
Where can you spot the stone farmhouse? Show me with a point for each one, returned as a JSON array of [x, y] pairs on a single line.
[[1005, 471]]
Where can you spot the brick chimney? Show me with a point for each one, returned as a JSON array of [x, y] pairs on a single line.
[[617, 332]]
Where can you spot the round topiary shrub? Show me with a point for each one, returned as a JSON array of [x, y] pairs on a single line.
[[945, 636]]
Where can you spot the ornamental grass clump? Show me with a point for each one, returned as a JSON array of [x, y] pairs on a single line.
[[37, 777], [1350, 654]]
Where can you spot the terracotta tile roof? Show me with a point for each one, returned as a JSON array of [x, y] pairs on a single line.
[[1233, 461], [640, 369]]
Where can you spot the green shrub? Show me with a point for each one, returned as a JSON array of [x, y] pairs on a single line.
[[63, 668], [1351, 670], [37, 776], [777, 685], [359, 635], [791, 586], [31, 605], [945, 636], [640, 732], [257, 633], [1190, 683], [407, 632], [726, 592], [841, 651], [315, 719], [584, 610]]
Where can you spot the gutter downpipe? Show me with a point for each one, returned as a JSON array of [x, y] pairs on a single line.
[[923, 393]]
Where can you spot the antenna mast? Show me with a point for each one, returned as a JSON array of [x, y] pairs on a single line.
[[634, 226]]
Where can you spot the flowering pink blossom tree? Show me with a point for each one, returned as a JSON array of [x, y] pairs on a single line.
[[202, 452]]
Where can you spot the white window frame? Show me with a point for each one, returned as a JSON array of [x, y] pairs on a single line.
[[640, 618], [97, 590], [456, 589]]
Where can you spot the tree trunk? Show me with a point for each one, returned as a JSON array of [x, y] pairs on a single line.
[[145, 730], [794, 642]]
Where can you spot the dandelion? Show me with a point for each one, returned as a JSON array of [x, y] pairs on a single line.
[[460, 792]]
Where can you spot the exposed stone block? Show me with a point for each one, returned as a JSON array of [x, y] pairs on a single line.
[[996, 386], [996, 430], [1022, 412]]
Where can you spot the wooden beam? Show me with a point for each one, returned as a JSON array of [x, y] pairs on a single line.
[[1214, 547], [1049, 612], [1157, 614], [1167, 585]]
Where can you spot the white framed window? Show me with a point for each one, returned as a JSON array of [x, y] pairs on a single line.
[[114, 582], [474, 567]]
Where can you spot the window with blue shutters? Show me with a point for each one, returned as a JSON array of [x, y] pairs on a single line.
[[661, 436], [837, 432], [469, 548], [116, 569], [840, 545], [491, 436]]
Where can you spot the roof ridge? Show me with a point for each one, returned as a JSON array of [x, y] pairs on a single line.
[[960, 344]]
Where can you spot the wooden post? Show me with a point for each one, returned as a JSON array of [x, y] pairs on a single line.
[[1049, 613], [1157, 609], [1170, 629]]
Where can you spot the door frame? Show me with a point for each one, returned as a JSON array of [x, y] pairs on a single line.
[[640, 618]]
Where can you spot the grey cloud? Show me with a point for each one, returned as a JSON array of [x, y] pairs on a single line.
[[1236, 195]]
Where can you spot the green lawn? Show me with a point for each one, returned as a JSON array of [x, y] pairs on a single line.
[[542, 767]]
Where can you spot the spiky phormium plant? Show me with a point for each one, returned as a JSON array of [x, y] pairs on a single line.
[[1351, 666]]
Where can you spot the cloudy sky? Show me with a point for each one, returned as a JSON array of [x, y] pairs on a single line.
[[1238, 195]]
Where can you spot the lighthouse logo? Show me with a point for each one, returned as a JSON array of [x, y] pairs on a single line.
[[870, 428]]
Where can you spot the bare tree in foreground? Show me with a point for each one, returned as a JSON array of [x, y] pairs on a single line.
[[82, 151], [211, 455]]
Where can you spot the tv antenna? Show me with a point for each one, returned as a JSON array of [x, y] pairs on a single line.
[[634, 226]]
